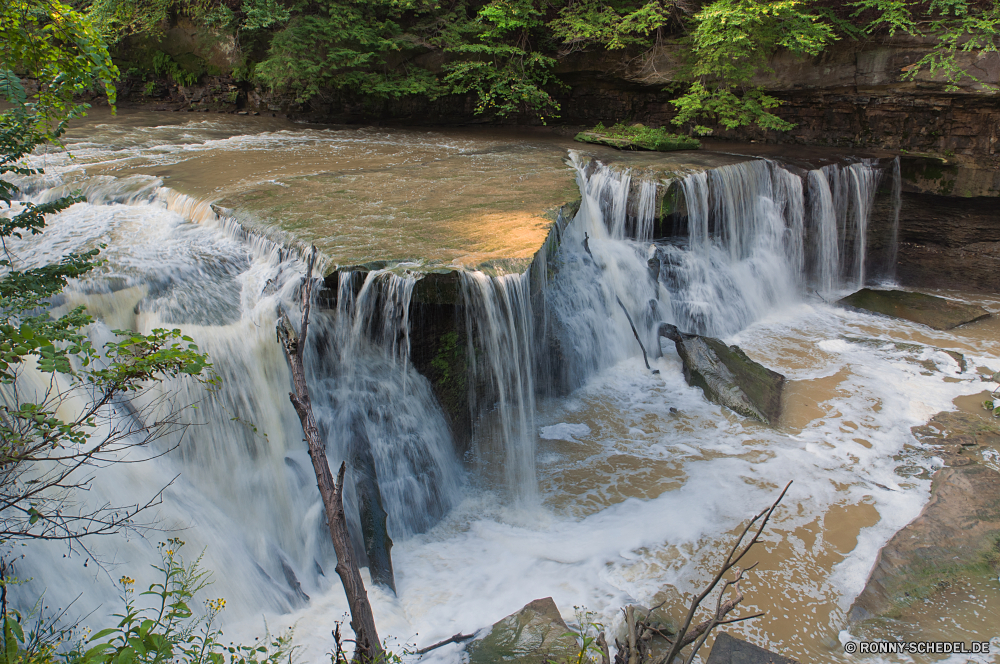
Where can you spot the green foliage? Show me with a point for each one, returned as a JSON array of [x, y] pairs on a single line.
[[647, 138], [58, 47], [46, 435], [501, 66], [731, 44], [595, 22], [119, 18], [164, 65], [959, 26], [588, 636], [344, 45], [168, 629], [263, 14]]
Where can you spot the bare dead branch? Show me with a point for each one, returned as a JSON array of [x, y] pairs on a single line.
[[458, 638], [368, 647], [697, 635]]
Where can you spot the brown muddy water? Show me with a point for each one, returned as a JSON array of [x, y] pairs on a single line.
[[642, 482]]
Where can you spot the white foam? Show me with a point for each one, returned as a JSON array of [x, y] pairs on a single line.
[[564, 431]]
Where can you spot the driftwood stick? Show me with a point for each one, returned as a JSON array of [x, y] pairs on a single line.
[[602, 643], [368, 648], [736, 553], [644, 358], [458, 638], [633, 638]]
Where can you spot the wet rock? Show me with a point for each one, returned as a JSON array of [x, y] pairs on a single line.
[[959, 358], [727, 376], [935, 312], [535, 634], [378, 544], [730, 650], [957, 533]]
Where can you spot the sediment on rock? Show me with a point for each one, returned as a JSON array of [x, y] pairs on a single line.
[[536, 634]]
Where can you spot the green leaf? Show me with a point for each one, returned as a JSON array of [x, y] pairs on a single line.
[[11, 88]]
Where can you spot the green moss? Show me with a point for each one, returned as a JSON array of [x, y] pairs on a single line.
[[638, 137], [449, 371], [926, 580]]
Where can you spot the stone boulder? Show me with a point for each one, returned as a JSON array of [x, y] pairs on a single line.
[[536, 634], [957, 533], [727, 376], [730, 650], [935, 312]]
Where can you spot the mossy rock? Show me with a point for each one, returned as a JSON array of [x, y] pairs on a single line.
[[728, 377], [653, 142], [956, 535], [930, 310], [536, 634]]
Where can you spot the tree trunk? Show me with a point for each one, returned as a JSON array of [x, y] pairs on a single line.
[[368, 647]]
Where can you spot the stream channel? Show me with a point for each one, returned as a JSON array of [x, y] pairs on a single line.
[[586, 477]]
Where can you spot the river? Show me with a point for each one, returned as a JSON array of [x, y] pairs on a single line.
[[620, 486]]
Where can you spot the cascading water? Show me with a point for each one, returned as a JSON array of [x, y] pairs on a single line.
[[751, 244], [242, 482], [364, 379], [502, 395], [637, 474], [842, 202]]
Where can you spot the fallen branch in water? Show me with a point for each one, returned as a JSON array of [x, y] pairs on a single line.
[[451, 639], [640, 630], [632, 325]]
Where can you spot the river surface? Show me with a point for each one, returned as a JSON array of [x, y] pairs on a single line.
[[637, 483]]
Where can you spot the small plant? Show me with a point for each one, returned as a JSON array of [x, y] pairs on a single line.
[[169, 630], [593, 645]]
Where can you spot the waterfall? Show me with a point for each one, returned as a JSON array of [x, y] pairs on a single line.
[[826, 243], [240, 483], [361, 377], [752, 243], [645, 210], [500, 329]]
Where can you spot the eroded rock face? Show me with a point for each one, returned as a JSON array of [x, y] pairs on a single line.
[[958, 531], [932, 311], [535, 634], [727, 376]]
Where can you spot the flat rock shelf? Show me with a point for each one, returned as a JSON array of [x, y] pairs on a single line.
[[929, 310]]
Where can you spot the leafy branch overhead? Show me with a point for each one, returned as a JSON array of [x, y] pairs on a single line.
[[66, 403], [506, 53]]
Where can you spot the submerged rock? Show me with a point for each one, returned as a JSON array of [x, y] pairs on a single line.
[[727, 376], [730, 650], [930, 310], [535, 634]]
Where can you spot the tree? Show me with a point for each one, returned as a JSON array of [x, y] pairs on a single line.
[[368, 647], [66, 406]]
